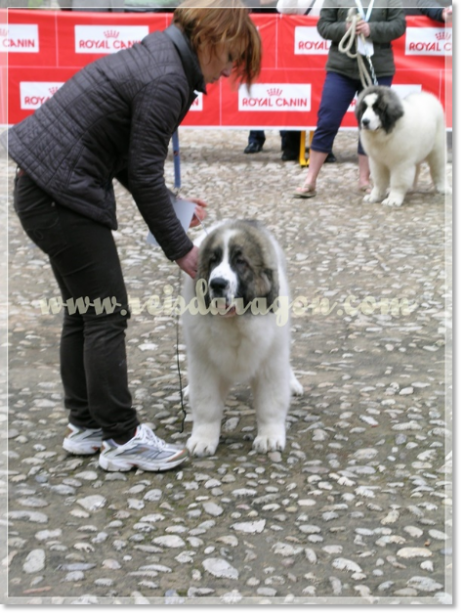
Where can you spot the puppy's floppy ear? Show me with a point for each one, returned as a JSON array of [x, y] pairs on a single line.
[[391, 109], [203, 266], [267, 286], [360, 108], [203, 271], [358, 112]]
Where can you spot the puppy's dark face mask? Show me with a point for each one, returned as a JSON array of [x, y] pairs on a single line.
[[234, 263], [378, 108]]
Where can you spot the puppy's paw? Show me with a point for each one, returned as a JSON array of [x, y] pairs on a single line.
[[393, 201], [443, 189], [296, 387], [200, 447], [373, 197], [266, 444]]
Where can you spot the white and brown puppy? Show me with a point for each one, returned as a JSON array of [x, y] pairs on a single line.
[[398, 135], [233, 338]]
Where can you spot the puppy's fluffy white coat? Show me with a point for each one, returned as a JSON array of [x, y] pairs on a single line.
[[238, 259], [398, 135]]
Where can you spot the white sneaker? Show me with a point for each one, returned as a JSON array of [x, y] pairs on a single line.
[[82, 441], [145, 451]]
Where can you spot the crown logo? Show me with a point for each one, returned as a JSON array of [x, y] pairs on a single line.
[[443, 35], [53, 89], [111, 33], [274, 91]]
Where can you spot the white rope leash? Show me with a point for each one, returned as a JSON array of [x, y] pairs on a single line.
[[349, 42]]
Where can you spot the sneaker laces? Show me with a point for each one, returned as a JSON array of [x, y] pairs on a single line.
[[150, 437]]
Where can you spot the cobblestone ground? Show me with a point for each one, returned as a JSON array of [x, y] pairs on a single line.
[[356, 510]]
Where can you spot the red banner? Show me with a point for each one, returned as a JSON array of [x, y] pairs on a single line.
[[42, 49]]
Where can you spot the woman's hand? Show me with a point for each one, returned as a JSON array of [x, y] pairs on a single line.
[[363, 27], [447, 14], [200, 212], [189, 262]]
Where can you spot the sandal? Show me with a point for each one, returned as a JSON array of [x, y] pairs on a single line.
[[306, 191]]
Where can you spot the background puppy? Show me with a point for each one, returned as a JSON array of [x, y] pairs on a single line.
[[397, 135], [241, 265]]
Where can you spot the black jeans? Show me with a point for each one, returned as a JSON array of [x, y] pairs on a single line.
[[84, 260]]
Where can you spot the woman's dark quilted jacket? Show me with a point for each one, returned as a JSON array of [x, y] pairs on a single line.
[[114, 119], [387, 23]]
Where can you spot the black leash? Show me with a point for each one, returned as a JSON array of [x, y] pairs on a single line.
[[179, 371], [177, 327]]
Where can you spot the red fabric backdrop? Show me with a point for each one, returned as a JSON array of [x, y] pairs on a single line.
[[40, 49]]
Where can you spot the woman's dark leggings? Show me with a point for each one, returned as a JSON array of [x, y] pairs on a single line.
[[337, 95], [84, 260]]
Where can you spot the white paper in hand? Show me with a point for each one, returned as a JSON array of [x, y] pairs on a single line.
[[364, 47], [184, 211]]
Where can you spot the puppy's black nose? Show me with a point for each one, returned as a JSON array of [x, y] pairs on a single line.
[[218, 285], [365, 122]]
